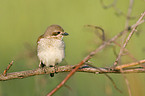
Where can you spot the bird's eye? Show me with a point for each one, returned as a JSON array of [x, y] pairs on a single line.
[[56, 33]]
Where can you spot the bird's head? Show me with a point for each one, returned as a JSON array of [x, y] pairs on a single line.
[[55, 31]]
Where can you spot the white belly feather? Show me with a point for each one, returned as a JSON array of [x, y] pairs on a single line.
[[50, 51]]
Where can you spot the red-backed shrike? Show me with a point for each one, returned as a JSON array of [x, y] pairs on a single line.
[[50, 46]]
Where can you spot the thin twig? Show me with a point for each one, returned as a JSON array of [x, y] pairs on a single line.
[[113, 83], [8, 67], [127, 83], [128, 38], [102, 37], [113, 5], [129, 65], [129, 13], [108, 6], [128, 53], [142, 21]]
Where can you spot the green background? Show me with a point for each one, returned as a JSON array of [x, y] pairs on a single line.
[[23, 21]]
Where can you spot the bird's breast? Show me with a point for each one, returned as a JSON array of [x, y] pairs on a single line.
[[50, 51], [50, 43]]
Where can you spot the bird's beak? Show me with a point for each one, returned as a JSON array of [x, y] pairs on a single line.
[[65, 34]]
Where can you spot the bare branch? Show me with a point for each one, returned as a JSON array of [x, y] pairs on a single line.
[[128, 38], [102, 37], [40, 71], [8, 67], [129, 65]]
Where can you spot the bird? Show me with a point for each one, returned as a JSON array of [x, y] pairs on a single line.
[[51, 47]]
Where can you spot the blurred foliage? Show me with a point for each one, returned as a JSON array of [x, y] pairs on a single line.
[[21, 23]]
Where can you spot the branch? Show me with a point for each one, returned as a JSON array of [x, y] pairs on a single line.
[[68, 68], [128, 38], [8, 67]]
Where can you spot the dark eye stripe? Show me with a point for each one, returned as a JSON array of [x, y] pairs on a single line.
[[55, 33]]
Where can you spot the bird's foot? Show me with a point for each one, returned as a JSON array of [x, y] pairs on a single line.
[[51, 74], [56, 69], [42, 66]]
